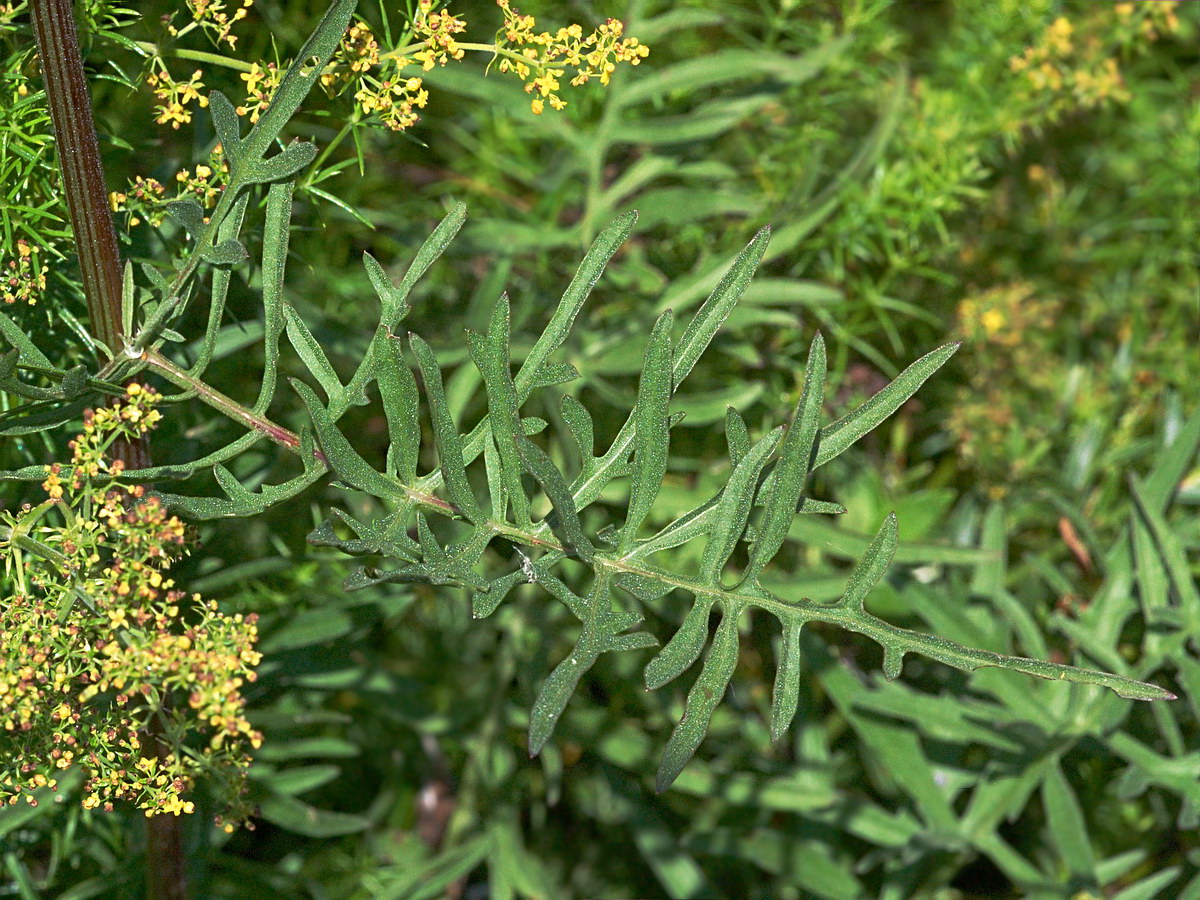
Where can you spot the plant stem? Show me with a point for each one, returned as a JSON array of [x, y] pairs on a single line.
[[224, 404], [78, 153], [203, 56], [79, 161]]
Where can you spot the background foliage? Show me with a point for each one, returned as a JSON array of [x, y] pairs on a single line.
[[979, 170]]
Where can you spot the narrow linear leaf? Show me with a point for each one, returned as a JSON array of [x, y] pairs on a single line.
[[590, 269], [311, 352], [566, 517], [561, 683], [274, 264], [226, 124], [715, 310], [702, 700], [394, 298], [491, 357], [401, 406], [579, 423], [733, 509], [840, 435], [683, 649], [652, 438], [736, 435], [787, 682], [792, 469], [871, 567], [445, 432]]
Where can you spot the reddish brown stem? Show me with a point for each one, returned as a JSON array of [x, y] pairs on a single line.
[[79, 162], [100, 268]]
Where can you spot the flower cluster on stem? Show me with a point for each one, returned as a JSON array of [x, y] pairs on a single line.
[[101, 647]]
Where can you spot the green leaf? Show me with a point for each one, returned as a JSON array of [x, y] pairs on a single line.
[[787, 682], [730, 515], [394, 298], [274, 263], [730, 65], [566, 518], [839, 436], [445, 432], [298, 817], [344, 459], [683, 649], [283, 165], [702, 700], [401, 406], [310, 351], [576, 294], [794, 463], [873, 565], [491, 357], [704, 325], [1067, 826], [651, 440], [226, 124], [579, 422]]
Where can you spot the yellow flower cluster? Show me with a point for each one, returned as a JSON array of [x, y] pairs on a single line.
[[174, 96], [383, 92], [109, 666], [541, 58], [23, 279], [261, 82], [146, 198], [998, 323], [387, 95], [1075, 64], [437, 29], [211, 16]]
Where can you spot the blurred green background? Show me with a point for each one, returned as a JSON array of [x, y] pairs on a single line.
[[1018, 175]]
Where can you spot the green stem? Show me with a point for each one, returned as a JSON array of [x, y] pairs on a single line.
[[216, 59]]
